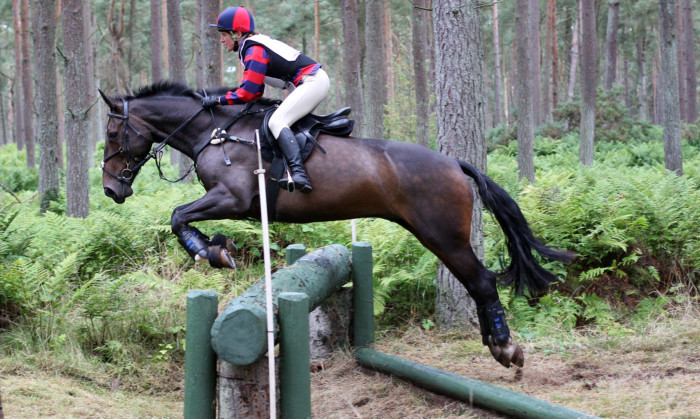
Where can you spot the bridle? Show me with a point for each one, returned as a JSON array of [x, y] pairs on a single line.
[[127, 174]]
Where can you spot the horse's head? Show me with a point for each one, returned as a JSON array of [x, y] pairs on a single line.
[[127, 144]]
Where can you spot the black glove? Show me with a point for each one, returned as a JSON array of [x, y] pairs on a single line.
[[210, 101]]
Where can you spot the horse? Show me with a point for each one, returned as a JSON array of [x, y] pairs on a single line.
[[420, 189]]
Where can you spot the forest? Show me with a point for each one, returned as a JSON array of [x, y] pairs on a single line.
[[584, 111]]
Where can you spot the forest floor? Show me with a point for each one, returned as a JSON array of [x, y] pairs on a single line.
[[651, 374]]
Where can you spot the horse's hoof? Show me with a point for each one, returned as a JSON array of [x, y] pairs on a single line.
[[220, 257], [225, 243], [509, 354]]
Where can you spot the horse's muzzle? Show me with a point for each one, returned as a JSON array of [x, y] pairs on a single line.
[[119, 198]]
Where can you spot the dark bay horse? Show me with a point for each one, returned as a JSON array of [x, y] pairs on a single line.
[[420, 189]]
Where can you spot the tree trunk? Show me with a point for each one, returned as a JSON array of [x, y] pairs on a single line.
[[656, 86], [535, 52], [420, 25], [17, 89], [4, 139], [115, 22], [45, 70], [611, 43], [680, 49], [351, 62], [669, 87], [575, 54], [552, 63], [389, 53], [375, 69], [176, 70], [690, 72], [642, 78], [27, 90], [523, 91], [589, 66], [77, 104], [498, 90], [461, 128], [211, 47], [93, 115], [156, 42]]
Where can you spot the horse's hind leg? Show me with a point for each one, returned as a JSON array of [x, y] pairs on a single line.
[[450, 243]]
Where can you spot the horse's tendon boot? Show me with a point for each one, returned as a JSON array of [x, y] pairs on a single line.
[[492, 320], [193, 243]]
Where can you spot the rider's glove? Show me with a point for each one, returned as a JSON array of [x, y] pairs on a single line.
[[210, 101]]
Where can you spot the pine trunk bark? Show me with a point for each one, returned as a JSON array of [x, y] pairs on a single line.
[[77, 104], [352, 78], [680, 49], [523, 91], [18, 108], [156, 42], [375, 85], [460, 92], [176, 71], [589, 66], [642, 79], [690, 71], [497, 78], [422, 94], [669, 87], [27, 89], [45, 70], [211, 47], [611, 43], [535, 52], [575, 54]]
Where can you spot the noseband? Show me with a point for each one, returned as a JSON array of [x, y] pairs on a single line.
[[127, 174]]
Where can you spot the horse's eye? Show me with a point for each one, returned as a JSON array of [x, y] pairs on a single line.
[[112, 135]]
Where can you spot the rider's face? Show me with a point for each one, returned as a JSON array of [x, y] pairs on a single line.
[[230, 40]]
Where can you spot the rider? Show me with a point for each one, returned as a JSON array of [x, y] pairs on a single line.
[[269, 61]]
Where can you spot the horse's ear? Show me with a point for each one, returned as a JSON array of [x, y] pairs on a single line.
[[110, 101]]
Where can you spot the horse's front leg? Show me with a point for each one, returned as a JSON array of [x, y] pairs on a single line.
[[219, 251]]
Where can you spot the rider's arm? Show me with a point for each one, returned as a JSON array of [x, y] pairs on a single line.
[[255, 64]]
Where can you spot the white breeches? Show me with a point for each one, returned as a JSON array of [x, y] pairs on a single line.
[[300, 102]]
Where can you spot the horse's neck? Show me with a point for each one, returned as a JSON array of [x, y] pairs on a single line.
[[165, 123]]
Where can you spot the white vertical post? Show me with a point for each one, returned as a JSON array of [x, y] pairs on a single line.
[[268, 281], [354, 230]]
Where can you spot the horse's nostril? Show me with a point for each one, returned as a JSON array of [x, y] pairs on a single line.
[[109, 192]]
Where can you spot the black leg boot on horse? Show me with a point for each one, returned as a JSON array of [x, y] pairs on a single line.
[[290, 148]]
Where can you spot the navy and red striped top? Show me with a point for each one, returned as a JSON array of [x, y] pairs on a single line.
[[255, 67]]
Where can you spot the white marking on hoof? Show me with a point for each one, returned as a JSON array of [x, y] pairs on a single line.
[[200, 259]]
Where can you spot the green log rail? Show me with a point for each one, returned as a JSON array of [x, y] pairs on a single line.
[[239, 335]]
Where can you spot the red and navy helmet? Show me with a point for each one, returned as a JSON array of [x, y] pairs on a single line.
[[235, 19]]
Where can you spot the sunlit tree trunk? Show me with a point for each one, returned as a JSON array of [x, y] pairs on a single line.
[[589, 66], [611, 43], [498, 90], [669, 87], [352, 79], [211, 47], [375, 81], [115, 22], [389, 53], [523, 91], [27, 90], [460, 91], [422, 94], [575, 54], [690, 71], [17, 88], [680, 49], [642, 78], [156, 42], [535, 61], [77, 103], [47, 111]]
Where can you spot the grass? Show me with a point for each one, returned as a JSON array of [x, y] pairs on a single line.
[[653, 372]]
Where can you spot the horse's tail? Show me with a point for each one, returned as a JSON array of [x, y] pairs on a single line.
[[524, 271]]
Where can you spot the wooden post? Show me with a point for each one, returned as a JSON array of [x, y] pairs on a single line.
[[200, 359], [295, 370]]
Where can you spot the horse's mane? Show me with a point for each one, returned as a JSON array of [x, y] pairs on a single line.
[[173, 88]]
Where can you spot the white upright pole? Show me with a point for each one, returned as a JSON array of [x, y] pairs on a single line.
[[268, 282], [354, 230]]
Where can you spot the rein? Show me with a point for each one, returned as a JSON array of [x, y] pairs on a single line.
[[127, 174]]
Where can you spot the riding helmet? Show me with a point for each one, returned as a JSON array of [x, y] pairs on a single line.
[[235, 19]]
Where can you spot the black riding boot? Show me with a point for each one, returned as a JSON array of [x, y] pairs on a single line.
[[289, 146]]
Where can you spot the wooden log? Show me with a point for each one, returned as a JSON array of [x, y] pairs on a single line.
[[239, 333]]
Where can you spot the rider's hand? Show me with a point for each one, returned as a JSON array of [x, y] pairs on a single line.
[[210, 101]]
